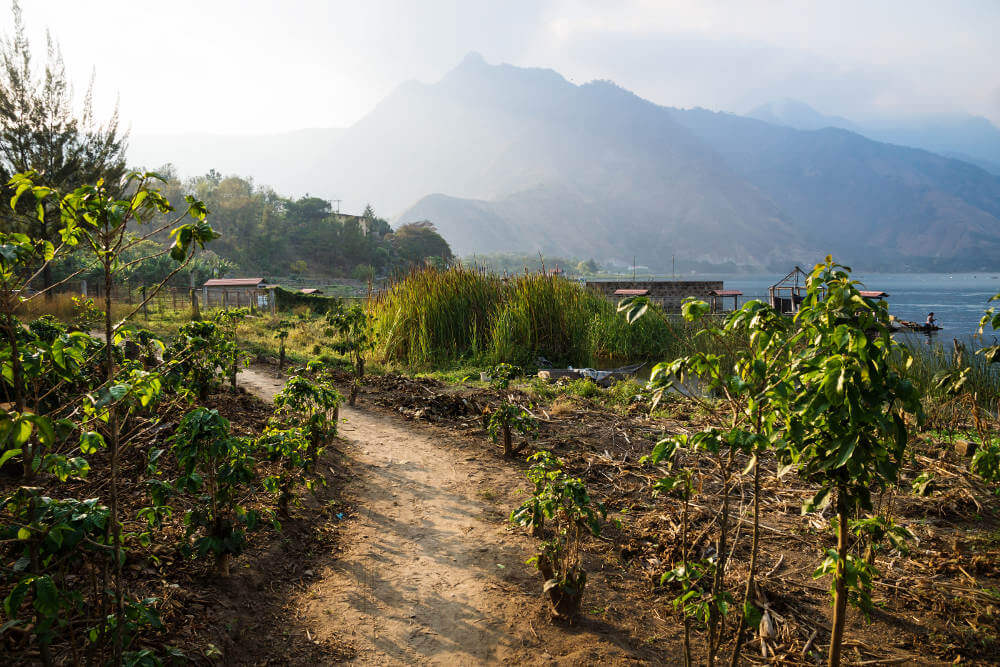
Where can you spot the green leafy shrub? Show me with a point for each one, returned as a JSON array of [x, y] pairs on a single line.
[[217, 469], [356, 340], [563, 500], [509, 417], [312, 405], [52, 542], [846, 412], [290, 447], [196, 359]]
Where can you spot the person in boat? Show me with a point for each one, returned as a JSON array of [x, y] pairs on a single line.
[[931, 322]]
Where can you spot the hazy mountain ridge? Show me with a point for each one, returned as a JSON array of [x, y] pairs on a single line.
[[905, 207], [969, 138], [502, 158]]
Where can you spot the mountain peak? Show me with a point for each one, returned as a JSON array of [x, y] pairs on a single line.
[[472, 59], [799, 115]]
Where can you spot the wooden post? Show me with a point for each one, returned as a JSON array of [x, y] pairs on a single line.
[[273, 298], [195, 312], [145, 310]]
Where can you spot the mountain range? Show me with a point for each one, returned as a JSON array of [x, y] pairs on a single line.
[[503, 158], [970, 138]]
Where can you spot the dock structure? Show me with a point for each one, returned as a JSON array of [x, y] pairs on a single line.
[[668, 294], [787, 294]]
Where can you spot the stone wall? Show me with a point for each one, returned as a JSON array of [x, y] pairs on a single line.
[[670, 294]]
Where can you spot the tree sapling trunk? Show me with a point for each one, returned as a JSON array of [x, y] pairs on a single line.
[[840, 594]]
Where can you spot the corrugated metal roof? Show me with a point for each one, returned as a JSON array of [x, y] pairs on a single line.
[[631, 292], [233, 282], [725, 292]]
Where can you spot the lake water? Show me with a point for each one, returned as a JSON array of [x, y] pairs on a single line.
[[957, 299]]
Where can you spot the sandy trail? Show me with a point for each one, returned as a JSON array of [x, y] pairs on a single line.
[[430, 573]]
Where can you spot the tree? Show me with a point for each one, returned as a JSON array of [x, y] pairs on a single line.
[[846, 428], [39, 131], [415, 242]]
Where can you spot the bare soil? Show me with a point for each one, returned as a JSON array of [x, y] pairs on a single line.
[[937, 604], [428, 570]]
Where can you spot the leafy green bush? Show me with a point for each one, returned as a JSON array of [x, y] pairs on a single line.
[[312, 405], [356, 340], [217, 469], [508, 417], [564, 500], [290, 447]]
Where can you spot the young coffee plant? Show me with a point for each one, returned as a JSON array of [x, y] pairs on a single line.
[[545, 470], [282, 335], [986, 461], [846, 427], [290, 447], [59, 549], [356, 340], [312, 405], [696, 578], [231, 355], [563, 500], [53, 542], [509, 417], [217, 470], [197, 359]]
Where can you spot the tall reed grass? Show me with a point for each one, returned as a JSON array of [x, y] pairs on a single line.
[[434, 316], [930, 361]]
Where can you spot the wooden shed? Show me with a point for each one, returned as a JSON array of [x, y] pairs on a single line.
[[237, 293]]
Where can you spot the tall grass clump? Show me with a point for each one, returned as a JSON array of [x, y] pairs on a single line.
[[932, 362], [542, 315], [434, 316]]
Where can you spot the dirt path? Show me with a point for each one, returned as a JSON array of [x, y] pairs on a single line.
[[430, 572]]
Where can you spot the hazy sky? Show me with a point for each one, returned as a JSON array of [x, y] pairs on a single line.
[[232, 66]]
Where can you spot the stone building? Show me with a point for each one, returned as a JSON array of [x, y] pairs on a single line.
[[669, 294]]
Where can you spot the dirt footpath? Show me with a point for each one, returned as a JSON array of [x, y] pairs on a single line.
[[430, 572]]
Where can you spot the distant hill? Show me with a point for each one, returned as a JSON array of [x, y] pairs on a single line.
[[969, 138], [883, 206], [799, 115], [502, 158]]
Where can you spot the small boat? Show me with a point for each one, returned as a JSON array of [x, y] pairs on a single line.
[[922, 328]]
